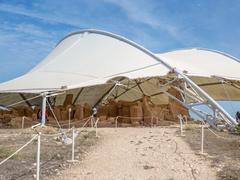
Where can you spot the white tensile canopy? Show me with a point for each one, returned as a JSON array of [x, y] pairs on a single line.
[[90, 64]]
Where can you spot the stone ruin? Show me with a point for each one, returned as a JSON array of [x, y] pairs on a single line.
[[140, 113]]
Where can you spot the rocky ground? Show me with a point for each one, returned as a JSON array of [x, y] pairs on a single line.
[[141, 153], [124, 153]]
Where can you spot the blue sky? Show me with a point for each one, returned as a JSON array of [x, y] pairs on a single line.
[[30, 29]]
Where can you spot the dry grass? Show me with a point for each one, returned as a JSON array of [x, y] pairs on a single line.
[[5, 152]]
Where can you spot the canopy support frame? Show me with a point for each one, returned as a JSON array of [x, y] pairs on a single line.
[[202, 115], [25, 99], [78, 95], [44, 107], [128, 89], [188, 92], [230, 120]]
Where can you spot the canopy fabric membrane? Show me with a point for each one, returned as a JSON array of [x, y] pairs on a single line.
[[89, 63]]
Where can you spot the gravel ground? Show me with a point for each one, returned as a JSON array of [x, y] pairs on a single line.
[[140, 153], [223, 150]]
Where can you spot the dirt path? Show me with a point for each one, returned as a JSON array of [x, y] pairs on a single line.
[[141, 153]]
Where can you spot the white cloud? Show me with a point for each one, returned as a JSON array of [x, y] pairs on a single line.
[[145, 12], [21, 10], [155, 15], [70, 13], [67, 14], [25, 28], [32, 30]]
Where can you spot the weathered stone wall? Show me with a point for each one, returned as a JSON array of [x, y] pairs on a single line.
[[142, 112]]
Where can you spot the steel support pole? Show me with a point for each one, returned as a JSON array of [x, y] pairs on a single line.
[[210, 100], [38, 156], [44, 101]]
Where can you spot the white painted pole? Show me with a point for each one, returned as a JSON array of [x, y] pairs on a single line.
[[23, 118], [202, 138], [181, 128], [38, 155], [116, 122], [91, 121], [69, 117], [73, 143], [96, 130], [151, 121], [96, 127], [214, 115], [44, 100]]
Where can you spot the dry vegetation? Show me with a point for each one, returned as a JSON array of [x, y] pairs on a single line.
[[54, 154]]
